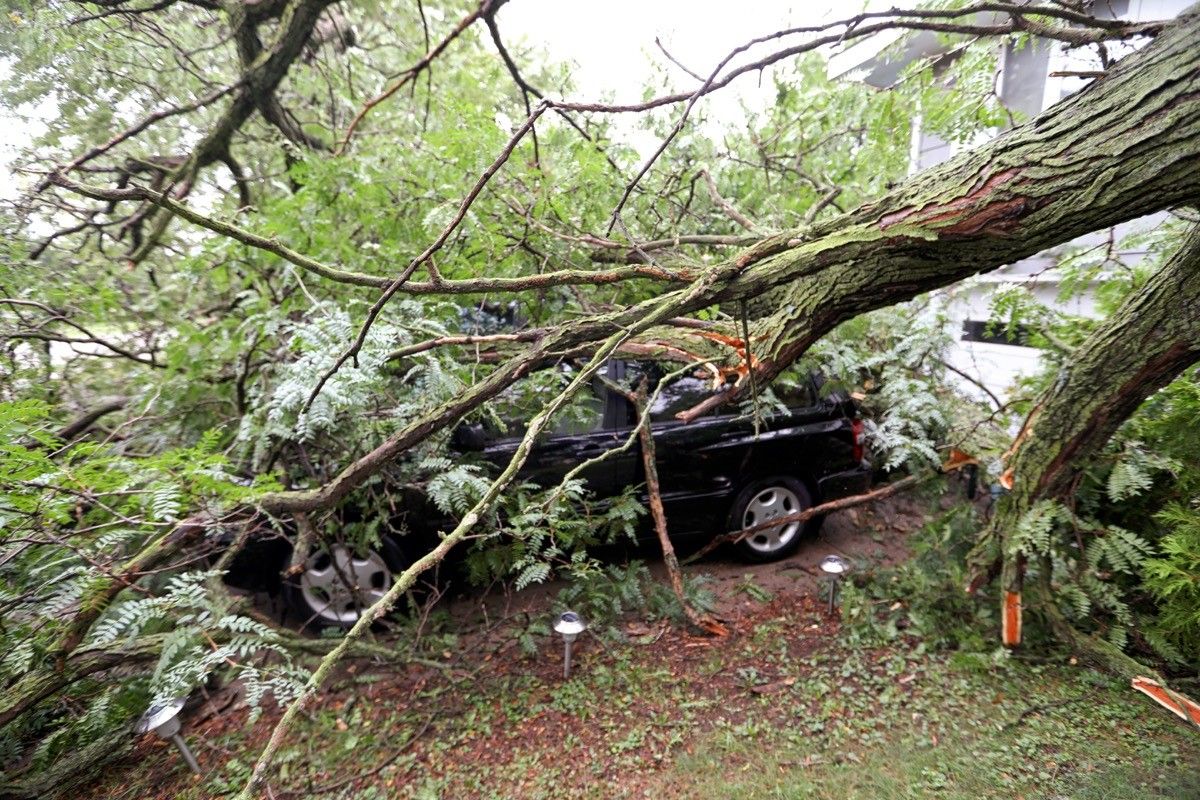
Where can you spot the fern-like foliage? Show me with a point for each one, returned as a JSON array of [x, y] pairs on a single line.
[[890, 359], [454, 488], [70, 518], [337, 412], [549, 531], [202, 639], [1173, 577], [1134, 471], [1118, 550], [1033, 530]]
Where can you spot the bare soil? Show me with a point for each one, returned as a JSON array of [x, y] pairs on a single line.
[[869, 537], [399, 701]]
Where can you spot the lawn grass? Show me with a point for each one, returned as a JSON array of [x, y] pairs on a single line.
[[963, 742]]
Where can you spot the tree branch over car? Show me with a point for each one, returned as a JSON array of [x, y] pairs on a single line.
[[384, 179]]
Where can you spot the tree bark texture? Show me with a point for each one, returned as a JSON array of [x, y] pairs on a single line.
[[704, 622], [36, 686], [1152, 338], [1126, 146]]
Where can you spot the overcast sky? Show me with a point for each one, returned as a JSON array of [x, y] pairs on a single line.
[[611, 41]]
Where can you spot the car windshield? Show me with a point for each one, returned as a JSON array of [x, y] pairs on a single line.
[[791, 390]]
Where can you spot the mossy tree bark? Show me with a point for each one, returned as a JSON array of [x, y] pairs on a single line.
[[1122, 148], [36, 686], [1152, 338]]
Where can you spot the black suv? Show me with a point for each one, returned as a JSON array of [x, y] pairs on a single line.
[[716, 474]]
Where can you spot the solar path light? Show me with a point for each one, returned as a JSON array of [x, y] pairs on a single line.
[[569, 626], [163, 719], [835, 567]]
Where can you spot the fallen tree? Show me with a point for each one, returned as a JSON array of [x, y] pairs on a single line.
[[1078, 167], [1127, 145]]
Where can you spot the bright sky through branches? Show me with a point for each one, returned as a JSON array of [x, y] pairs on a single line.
[[611, 49], [612, 44]]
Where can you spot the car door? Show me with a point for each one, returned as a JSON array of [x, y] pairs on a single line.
[[696, 473], [583, 432]]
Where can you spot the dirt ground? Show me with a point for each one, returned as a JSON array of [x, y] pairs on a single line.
[[870, 536], [784, 697], [485, 648]]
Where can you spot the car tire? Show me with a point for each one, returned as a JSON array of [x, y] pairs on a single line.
[[761, 500], [319, 597]]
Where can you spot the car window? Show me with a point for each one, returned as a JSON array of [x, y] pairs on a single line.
[[516, 405], [683, 393], [679, 394], [585, 414], [793, 392]]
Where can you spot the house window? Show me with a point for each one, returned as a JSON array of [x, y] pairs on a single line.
[[995, 332]]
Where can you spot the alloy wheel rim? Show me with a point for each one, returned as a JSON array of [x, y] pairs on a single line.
[[768, 504]]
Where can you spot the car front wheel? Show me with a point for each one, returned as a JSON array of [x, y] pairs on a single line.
[[765, 500], [338, 584]]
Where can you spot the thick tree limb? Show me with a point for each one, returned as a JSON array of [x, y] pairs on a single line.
[[1144, 345], [704, 622], [36, 686], [1124, 147], [1152, 338], [104, 589], [89, 418]]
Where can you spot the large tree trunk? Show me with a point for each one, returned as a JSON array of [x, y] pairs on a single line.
[[72, 771], [1146, 343], [36, 686], [1126, 146]]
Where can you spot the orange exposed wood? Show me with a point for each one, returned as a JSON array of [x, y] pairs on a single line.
[[1180, 705], [1011, 626], [957, 460], [1007, 478]]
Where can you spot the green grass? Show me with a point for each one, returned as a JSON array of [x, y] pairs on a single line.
[[1109, 745], [781, 710]]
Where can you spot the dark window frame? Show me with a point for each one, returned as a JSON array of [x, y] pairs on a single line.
[[996, 332]]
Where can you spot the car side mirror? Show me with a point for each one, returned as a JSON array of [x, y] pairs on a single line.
[[470, 437]]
